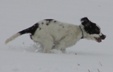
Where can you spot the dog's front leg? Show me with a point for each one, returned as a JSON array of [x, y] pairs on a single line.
[[63, 43], [60, 46]]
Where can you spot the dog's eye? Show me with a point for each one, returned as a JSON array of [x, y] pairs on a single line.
[[97, 30]]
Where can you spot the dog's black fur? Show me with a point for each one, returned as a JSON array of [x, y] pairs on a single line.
[[91, 27]]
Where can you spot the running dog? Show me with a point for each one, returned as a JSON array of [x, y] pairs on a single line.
[[53, 34]]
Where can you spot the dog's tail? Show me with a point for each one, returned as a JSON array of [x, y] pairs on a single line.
[[30, 30], [12, 38]]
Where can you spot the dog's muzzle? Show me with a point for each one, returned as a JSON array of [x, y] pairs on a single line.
[[102, 37]]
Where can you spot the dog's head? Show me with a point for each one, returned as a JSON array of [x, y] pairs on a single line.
[[92, 30]]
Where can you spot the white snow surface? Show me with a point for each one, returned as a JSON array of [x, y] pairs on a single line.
[[86, 56]]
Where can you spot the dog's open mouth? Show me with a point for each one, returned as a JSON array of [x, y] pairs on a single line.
[[98, 39]]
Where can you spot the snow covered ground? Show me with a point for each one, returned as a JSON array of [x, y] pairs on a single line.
[[86, 56]]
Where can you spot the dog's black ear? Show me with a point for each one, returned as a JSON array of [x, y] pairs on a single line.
[[85, 20]]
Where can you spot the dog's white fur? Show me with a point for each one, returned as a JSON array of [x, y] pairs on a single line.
[[57, 35]]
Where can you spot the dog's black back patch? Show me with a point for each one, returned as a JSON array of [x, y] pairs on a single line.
[[48, 21], [31, 29]]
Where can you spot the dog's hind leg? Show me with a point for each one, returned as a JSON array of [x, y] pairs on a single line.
[[46, 44]]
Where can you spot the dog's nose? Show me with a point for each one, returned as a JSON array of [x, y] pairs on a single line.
[[103, 36]]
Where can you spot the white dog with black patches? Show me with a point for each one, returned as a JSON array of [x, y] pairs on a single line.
[[53, 34]]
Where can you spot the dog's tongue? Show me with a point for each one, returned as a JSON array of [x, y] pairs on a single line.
[[98, 39]]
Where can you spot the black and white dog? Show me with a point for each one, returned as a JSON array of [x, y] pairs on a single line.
[[53, 34]]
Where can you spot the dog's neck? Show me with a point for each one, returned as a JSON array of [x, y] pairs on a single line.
[[81, 32]]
